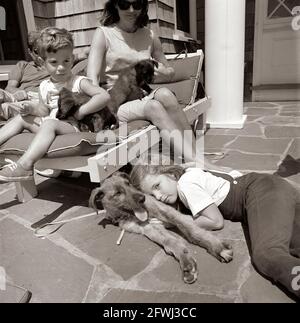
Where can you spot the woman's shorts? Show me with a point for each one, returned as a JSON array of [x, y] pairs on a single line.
[[134, 110]]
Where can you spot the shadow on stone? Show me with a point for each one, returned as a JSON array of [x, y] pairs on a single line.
[[289, 166]]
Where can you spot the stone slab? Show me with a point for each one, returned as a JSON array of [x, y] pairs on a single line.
[[252, 162], [217, 141], [128, 259], [49, 271], [214, 278], [55, 198], [259, 290], [260, 105], [262, 111], [250, 129], [282, 132], [128, 296], [280, 121], [260, 145], [290, 114]]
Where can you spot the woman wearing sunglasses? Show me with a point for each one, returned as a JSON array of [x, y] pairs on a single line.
[[123, 39]]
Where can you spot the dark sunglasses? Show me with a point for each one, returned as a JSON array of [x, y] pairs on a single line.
[[125, 5]]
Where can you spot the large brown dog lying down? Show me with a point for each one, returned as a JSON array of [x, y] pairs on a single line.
[[133, 211]]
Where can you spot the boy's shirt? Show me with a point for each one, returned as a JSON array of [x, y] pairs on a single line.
[[49, 92], [29, 75]]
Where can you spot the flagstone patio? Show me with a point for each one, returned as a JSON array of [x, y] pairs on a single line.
[[82, 263]]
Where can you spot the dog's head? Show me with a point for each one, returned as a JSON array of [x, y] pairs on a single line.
[[120, 199], [92, 122], [69, 102], [98, 121], [145, 71]]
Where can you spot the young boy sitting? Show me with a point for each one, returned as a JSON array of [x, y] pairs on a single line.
[[25, 79], [55, 47]]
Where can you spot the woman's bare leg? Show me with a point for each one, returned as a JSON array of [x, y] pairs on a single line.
[[171, 132], [170, 103], [193, 150]]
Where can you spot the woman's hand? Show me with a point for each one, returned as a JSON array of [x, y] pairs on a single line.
[[163, 74]]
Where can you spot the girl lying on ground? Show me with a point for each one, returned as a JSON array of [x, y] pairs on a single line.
[[267, 203]]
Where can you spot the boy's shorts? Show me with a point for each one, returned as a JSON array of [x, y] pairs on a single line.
[[73, 123]]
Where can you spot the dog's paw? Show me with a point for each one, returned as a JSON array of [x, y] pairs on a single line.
[[189, 271], [226, 254], [223, 252]]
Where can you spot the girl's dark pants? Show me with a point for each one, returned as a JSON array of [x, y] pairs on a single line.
[[270, 207]]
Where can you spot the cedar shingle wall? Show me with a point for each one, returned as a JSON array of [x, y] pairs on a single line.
[[78, 16], [82, 17]]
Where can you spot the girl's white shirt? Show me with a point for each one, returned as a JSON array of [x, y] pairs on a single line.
[[198, 189]]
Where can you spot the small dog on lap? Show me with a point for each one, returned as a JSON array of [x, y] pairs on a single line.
[[69, 102], [132, 84]]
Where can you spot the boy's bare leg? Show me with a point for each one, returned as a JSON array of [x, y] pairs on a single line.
[[43, 140], [16, 125]]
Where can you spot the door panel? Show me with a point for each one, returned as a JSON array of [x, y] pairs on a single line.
[[277, 44], [281, 57]]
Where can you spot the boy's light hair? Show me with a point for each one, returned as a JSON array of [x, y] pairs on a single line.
[[52, 39]]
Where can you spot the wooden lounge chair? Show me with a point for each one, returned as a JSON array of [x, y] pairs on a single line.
[[88, 153]]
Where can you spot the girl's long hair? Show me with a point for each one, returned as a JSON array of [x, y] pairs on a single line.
[[154, 165], [110, 15]]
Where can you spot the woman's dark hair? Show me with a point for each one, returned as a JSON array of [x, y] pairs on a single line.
[[110, 14]]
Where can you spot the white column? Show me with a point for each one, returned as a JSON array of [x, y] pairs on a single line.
[[224, 62]]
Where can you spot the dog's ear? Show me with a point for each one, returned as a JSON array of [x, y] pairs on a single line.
[[155, 63], [123, 175], [65, 103], [95, 199]]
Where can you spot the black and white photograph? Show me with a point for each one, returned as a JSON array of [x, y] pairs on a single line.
[[149, 154]]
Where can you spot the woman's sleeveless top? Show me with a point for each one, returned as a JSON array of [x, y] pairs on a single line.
[[124, 49]]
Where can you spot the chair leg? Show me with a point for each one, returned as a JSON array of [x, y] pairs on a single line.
[[26, 190], [199, 125]]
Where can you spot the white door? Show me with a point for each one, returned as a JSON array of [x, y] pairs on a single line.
[[276, 73]]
